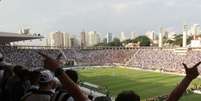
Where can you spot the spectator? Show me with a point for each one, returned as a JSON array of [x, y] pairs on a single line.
[[127, 96], [73, 75], [44, 93], [18, 84], [191, 74], [5, 72], [1, 77], [34, 80], [62, 94], [68, 84]]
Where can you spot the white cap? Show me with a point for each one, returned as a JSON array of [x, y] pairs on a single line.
[[46, 76]]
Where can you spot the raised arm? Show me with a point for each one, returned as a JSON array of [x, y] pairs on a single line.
[[68, 84], [191, 73]]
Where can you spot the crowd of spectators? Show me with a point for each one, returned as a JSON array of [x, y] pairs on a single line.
[[144, 58], [51, 83], [30, 58], [163, 59], [103, 57]]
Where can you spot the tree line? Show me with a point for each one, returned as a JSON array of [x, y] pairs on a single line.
[[145, 41]]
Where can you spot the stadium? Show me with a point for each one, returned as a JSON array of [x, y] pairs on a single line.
[[152, 72]]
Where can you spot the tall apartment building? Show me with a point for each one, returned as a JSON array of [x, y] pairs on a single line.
[[122, 36], [56, 39], [59, 39], [67, 40], [109, 37], [83, 41], [92, 38], [195, 30]]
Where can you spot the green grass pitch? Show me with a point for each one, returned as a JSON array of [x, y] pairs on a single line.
[[146, 84]]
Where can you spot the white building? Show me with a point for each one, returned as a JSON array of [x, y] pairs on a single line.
[[195, 29], [67, 40], [92, 38], [109, 37], [195, 43], [122, 36], [74, 42], [59, 39], [133, 35], [150, 35], [56, 39], [83, 39]]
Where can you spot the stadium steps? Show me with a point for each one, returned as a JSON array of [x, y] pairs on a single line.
[[131, 58], [181, 51]]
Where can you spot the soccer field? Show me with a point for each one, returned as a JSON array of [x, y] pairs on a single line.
[[146, 84]]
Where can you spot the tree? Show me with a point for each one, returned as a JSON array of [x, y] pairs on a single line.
[[144, 40], [115, 42], [169, 41], [165, 39], [105, 41], [101, 44], [127, 41], [178, 39], [189, 39]]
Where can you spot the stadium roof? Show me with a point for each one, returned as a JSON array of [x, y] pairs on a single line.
[[7, 37]]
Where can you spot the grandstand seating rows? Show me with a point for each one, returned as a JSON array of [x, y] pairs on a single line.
[[146, 58]]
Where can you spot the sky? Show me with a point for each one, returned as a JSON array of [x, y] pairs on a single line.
[[74, 16]]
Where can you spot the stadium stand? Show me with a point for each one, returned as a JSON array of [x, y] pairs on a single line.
[[17, 55], [145, 58]]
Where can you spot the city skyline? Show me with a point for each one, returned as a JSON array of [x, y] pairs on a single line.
[[113, 16]]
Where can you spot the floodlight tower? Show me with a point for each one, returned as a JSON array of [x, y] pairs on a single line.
[[185, 32], [160, 42]]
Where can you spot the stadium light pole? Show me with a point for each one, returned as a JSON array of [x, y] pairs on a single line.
[[185, 31]]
